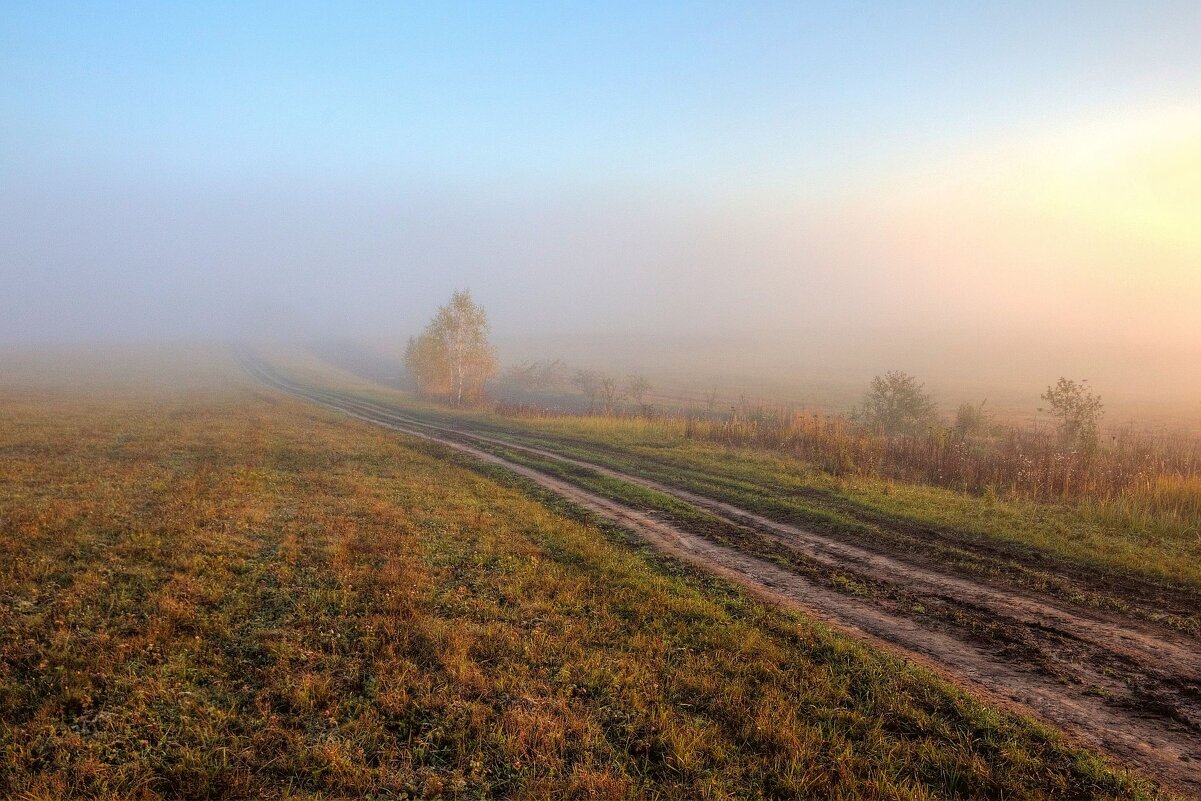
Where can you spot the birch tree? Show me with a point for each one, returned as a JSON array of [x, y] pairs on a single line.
[[452, 357]]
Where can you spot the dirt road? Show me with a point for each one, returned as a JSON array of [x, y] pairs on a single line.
[[1123, 686]]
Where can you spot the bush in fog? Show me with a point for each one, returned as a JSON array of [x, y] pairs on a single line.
[[1077, 410], [547, 376], [896, 403], [588, 382], [636, 387], [611, 393], [972, 420]]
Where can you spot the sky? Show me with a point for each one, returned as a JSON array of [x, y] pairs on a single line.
[[892, 178]]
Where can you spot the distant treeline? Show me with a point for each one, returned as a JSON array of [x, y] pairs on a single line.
[[597, 391]]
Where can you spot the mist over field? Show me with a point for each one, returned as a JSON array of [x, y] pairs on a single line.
[[780, 211]]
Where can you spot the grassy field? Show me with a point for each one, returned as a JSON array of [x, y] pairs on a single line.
[[233, 594], [1107, 537]]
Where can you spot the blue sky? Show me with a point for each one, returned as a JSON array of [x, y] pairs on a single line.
[[721, 95]]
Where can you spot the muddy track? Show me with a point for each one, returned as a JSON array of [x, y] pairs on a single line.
[[1131, 691]]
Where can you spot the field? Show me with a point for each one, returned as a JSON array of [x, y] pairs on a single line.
[[1084, 616], [1148, 537], [235, 593]]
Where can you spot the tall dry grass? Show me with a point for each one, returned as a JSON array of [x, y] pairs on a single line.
[[1154, 474]]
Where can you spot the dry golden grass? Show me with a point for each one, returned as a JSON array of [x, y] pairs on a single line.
[[1158, 473], [240, 596]]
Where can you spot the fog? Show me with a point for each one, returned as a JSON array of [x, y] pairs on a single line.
[[988, 234]]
